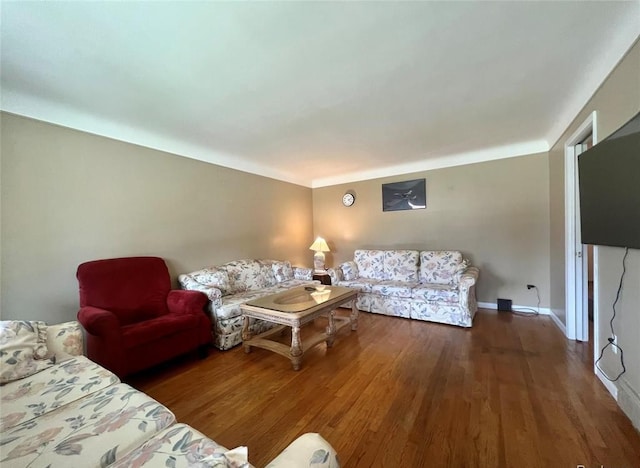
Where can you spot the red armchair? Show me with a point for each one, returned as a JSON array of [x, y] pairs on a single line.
[[132, 317]]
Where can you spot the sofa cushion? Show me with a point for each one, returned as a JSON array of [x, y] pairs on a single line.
[[94, 431], [231, 304], [442, 313], [436, 293], [389, 305], [64, 340], [440, 266], [393, 288], [282, 271], [213, 277], [50, 389], [401, 265], [152, 330], [245, 275], [23, 347], [361, 284], [370, 263], [268, 273], [182, 446], [349, 271]]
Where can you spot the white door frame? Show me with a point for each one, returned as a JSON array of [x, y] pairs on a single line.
[[576, 279]]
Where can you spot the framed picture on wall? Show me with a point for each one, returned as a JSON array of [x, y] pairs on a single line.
[[408, 195]]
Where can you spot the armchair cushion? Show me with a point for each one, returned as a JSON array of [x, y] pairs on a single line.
[[152, 330]]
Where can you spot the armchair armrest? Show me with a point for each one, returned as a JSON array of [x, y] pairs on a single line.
[[105, 344], [99, 322], [186, 302], [301, 273]]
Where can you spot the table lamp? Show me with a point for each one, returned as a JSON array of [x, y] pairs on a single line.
[[320, 247]]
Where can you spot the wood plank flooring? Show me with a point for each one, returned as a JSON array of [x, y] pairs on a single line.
[[509, 392]]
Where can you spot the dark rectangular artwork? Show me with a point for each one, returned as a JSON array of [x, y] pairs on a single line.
[[408, 195]]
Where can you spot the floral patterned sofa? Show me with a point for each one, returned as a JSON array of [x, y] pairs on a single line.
[[59, 409], [230, 285], [437, 286]]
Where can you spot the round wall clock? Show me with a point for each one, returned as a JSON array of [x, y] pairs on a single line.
[[348, 199]]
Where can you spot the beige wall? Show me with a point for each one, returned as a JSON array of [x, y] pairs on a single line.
[[495, 212], [617, 100], [69, 197]]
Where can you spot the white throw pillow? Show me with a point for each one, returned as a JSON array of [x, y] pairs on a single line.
[[64, 340], [349, 271], [282, 271], [23, 347]]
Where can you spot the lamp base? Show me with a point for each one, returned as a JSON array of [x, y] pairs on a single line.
[[318, 262]]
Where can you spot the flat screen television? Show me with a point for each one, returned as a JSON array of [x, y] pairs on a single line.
[[609, 182]]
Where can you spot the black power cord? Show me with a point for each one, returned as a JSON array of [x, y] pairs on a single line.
[[611, 340], [528, 311]]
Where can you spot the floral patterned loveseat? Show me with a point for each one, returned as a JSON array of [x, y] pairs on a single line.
[[230, 285], [437, 286], [59, 409]]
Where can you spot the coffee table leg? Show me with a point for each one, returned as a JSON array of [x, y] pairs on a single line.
[[331, 329], [246, 334], [354, 316], [296, 348]]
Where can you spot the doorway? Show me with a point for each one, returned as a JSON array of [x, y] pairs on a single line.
[[581, 301]]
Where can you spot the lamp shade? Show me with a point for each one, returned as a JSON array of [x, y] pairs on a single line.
[[320, 245]]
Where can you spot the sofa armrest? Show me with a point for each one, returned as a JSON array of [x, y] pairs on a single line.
[[213, 294], [335, 274], [307, 450], [468, 302], [65, 340], [186, 302], [301, 273], [469, 277]]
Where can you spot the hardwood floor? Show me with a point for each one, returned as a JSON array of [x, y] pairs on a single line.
[[509, 392]]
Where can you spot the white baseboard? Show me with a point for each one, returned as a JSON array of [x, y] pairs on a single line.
[[494, 306], [629, 401], [558, 323], [610, 386]]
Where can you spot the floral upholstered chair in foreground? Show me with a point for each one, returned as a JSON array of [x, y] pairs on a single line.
[[132, 317]]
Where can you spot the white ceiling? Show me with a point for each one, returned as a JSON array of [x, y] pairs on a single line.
[[315, 93]]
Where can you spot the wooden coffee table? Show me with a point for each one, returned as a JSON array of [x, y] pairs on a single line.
[[294, 308]]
